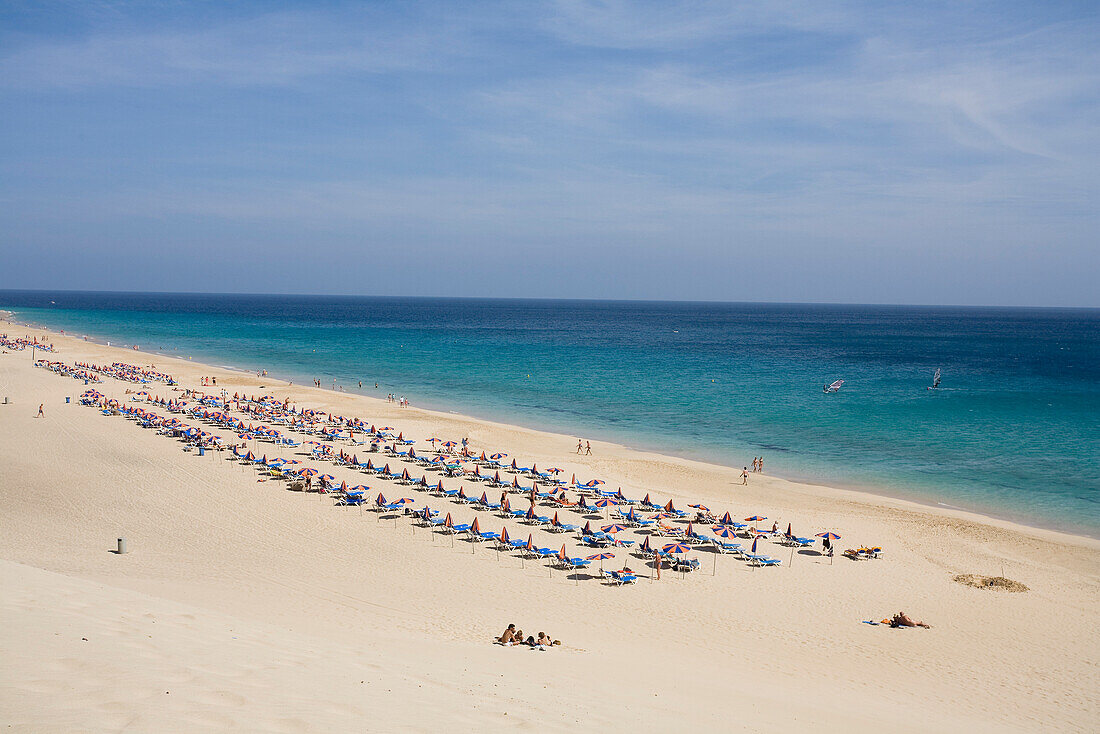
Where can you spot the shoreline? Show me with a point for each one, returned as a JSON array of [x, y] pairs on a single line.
[[872, 493]]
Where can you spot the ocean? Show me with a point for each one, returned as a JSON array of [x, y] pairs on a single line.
[[1013, 431]]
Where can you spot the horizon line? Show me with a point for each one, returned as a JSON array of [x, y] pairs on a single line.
[[544, 299]]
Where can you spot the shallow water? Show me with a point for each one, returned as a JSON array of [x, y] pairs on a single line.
[[1013, 431]]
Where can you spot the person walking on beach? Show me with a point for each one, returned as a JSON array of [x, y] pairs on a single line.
[[588, 448], [745, 475], [761, 464], [579, 447], [41, 414]]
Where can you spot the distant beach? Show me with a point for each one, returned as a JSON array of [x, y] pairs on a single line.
[[1007, 434]]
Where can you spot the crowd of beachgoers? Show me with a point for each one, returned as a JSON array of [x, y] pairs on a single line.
[[251, 430], [18, 344], [129, 372], [74, 371]]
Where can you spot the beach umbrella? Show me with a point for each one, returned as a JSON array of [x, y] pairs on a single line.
[[829, 536], [755, 519], [676, 548], [605, 502], [433, 440], [448, 523], [726, 519], [504, 537], [449, 444], [701, 508], [484, 499], [596, 482], [613, 528], [475, 527], [587, 529], [754, 541], [403, 501], [601, 557], [497, 457], [788, 530], [645, 546], [669, 507], [554, 470], [646, 502], [724, 531], [380, 500], [307, 472]]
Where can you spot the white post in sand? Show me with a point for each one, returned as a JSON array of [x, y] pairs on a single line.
[[122, 546]]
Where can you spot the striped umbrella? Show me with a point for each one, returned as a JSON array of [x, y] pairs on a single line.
[[601, 557], [613, 528], [676, 548], [724, 531]]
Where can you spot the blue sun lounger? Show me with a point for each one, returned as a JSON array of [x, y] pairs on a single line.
[[619, 578]]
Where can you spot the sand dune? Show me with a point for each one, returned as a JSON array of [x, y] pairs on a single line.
[[243, 605]]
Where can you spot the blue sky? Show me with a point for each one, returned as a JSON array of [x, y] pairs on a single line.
[[804, 151]]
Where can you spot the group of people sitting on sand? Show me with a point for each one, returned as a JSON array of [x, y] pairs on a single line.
[[513, 636]]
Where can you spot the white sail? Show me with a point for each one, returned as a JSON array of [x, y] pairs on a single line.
[[836, 385], [936, 379]]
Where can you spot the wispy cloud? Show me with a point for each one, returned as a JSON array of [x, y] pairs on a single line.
[[268, 49], [612, 129]]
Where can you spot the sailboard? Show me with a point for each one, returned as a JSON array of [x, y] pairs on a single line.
[[834, 387]]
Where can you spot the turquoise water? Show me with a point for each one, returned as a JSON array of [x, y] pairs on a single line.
[[1014, 430]]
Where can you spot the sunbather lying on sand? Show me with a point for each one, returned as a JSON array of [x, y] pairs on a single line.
[[901, 619]]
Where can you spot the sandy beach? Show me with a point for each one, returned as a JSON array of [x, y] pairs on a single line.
[[242, 605]]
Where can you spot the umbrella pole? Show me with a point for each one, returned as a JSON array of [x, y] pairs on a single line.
[[714, 571], [791, 562]]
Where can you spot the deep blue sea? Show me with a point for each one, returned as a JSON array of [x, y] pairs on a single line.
[[1013, 431]]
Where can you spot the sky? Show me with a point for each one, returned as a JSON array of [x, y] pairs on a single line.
[[934, 153]]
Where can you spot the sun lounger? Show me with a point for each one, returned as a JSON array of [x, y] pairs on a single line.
[[618, 578], [483, 536]]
